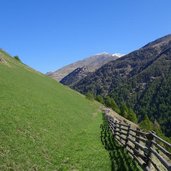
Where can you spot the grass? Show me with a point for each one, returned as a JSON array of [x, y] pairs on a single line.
[[46, 126]]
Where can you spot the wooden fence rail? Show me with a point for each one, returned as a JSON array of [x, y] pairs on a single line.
[[150, 151]]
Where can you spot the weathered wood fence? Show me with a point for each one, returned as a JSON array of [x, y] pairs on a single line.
[[150, 151]]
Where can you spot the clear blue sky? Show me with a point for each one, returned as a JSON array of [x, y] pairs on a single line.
[[48, 34]]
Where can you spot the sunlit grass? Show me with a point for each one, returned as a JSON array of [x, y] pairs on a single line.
[[46, 126]]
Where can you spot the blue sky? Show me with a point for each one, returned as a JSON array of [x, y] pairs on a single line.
[[48, 34]]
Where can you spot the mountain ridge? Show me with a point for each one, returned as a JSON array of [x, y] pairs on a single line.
[[91, 63]]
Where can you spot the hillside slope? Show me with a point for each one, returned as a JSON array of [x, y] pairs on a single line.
[[91, 63], [75, 76], [44, 125], [141, 79]]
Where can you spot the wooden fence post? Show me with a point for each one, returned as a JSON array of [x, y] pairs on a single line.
[[136, 148], [120, 130], [115, 125], [126, 141], [148, 153]]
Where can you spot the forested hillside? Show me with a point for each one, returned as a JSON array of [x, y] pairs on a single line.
[[140, 80]]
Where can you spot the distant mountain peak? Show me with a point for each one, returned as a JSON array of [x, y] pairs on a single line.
[[118, 54], [92, 63]]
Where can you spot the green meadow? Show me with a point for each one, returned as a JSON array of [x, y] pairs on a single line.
[[46, 126]]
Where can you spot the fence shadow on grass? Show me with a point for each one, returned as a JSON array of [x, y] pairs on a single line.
[[120, 160]]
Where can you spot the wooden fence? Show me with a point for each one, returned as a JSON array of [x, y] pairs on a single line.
[[150, 151]]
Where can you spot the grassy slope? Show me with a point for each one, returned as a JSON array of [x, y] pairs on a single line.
[[46, 126]]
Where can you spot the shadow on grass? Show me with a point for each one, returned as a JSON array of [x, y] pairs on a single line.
[[120, 160]]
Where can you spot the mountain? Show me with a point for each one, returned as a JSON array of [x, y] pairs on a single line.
[[45, 125], [141, 79], [75, 76], [91, 63]]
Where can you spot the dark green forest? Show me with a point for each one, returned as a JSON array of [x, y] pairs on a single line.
[[136, 85]]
